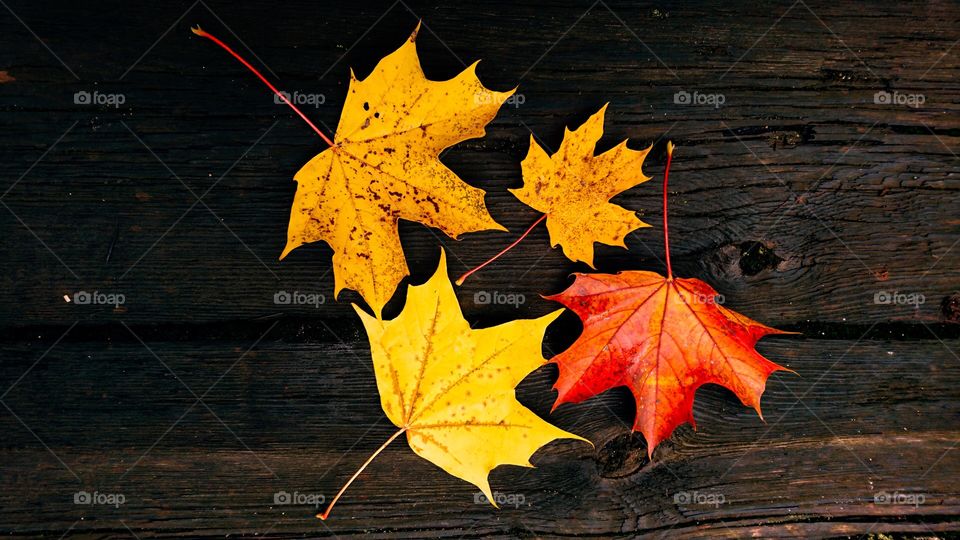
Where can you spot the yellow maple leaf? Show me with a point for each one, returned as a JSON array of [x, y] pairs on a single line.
[[573, 189], [451, 388], [384, 167]]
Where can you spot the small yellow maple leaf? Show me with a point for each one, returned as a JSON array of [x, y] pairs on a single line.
[[573, 188], [384, 167], [450, 388]]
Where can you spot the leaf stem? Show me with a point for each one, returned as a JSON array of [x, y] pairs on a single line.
[[326, 512], [666, 233], [462, 278], [200, 32]]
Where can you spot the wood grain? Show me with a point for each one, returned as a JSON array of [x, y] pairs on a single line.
[[860, 420], [847, 197]]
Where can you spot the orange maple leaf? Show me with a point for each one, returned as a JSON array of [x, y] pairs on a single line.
[[663, 338]]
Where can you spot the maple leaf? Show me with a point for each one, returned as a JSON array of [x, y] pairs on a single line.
[[383, 165], [662, 337], [451, 388], [573, 188]]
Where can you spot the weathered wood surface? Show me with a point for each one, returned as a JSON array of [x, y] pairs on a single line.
[[849, 198], [878, 417]]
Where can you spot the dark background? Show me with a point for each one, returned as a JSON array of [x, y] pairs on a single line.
[[800, 199]]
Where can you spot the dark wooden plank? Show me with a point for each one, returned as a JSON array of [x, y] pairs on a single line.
[[876, 193], [872, 417], [879, 189]]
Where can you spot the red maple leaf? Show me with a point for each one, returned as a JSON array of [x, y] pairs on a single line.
[[662, 337]]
